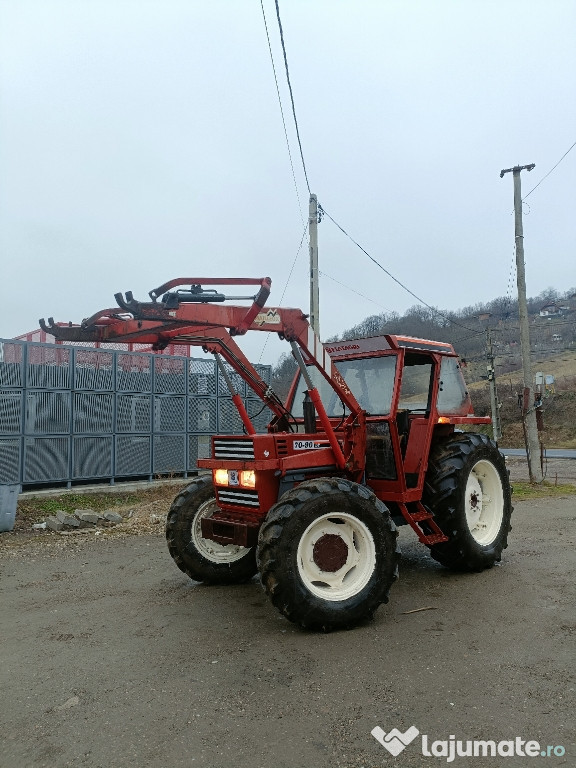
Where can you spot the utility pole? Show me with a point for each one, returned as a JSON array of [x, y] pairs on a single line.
[[495, 405], [529, 413], [313, 247]]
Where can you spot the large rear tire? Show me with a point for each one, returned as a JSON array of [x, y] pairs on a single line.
[[202, 559], [327, 554], [468, 490]]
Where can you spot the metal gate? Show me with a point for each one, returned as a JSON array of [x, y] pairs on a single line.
[[71, 414]]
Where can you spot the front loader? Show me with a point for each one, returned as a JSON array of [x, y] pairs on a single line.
[[370, 437]]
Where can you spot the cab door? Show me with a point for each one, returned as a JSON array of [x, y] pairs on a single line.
[[413, 415]]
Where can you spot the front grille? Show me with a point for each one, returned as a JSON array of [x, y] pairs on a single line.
[[233, 449], [238, 497], [281, 448]]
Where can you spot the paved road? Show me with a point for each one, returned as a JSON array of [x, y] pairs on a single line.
[[556, 471], [551, 453], [111, 658]]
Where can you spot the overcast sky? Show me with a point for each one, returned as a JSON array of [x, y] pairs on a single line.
[[142, 140]]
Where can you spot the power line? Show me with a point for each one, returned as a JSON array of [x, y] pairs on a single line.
[[324, 274], [291, 94], [549, 172], [404, 287], [281, 110], [286, 283], [465, 338], [511, 276], [294, 262]]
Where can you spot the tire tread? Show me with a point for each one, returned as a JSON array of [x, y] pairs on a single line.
[[443, 493]]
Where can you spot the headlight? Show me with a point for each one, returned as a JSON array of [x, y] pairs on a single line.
[[220, 477], [245, 478], [248, 478]]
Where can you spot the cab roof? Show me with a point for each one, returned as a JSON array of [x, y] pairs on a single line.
[[353, 347]]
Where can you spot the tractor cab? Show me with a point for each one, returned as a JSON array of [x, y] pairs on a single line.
[[410, 390]]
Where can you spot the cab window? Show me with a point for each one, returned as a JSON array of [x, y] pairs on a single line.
[[453, 396], [416, 383], [371, 381]]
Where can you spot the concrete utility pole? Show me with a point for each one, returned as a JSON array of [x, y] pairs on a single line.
[[313, 247], [495, 405], [529, 413]]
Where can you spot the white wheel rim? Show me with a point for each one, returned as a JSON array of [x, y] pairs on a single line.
[[336, 556], [211, 550], [484, 502]]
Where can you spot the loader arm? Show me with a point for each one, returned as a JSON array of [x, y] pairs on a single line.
[[200, 317]]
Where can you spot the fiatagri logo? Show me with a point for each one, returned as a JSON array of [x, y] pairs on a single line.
[[395, 742]]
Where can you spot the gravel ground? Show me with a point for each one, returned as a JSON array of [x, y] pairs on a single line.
[[111, 658]]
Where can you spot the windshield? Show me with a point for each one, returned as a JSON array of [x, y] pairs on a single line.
[[370, 379]]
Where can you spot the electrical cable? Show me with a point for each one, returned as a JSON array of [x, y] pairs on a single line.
[[465, 338], [286, 284], [291, 94], [282, 111], [325, 274], [320, 208], [511, 276], [421, 301], [323, 211], [549, 172]]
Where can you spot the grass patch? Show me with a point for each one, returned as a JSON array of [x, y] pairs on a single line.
[[34, 509], [525, 491]]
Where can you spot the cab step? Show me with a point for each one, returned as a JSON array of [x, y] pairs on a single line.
[[417, 516]]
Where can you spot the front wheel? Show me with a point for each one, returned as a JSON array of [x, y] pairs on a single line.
[[200, 558], [468, 490], [327, 554]]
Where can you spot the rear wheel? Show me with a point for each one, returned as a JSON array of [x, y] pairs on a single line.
[[200, 558], [327, 554], [468, 490]]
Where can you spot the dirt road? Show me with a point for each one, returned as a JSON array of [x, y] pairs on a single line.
[[112, 658]]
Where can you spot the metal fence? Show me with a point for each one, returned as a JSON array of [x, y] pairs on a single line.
[[71, 414]]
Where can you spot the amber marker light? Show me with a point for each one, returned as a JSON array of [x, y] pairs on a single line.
[[444, 420], [220, 477], [248, 478]]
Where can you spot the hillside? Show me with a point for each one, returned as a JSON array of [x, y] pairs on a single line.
[[559, 402], [553, 348], [552, 318]]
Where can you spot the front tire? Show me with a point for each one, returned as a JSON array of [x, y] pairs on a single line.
[[202, 559], [468, 490], [327, 554]]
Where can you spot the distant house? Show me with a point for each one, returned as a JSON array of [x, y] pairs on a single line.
[[550, 309]]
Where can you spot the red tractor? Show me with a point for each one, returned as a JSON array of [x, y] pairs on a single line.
[[368, 439]]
